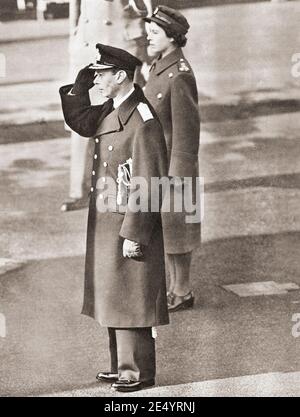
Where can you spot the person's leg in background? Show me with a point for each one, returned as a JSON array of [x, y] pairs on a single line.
[[80, 173], [180, 266], [181, 238], [180, 295]]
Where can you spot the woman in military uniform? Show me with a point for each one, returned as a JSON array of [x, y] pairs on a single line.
[[172, 91]]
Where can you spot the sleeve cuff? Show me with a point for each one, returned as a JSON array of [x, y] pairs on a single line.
[[138, 227], [183, 164]]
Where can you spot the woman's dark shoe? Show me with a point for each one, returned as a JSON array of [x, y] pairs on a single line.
[[178, 302]]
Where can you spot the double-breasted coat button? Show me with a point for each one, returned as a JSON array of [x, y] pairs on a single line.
[[95, 156], [171, 75], [110, 148], [92, 189], [93, 173], [159, 96], [97, 140], [105, 164]]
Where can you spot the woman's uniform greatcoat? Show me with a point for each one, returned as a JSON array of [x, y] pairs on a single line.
[[172, 91], [122, 292]]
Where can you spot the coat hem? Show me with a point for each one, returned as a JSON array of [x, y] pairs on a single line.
[[125, 326]]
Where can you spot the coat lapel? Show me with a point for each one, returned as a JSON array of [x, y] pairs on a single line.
[[127, 108], [115, 121], [162, 64], [110, 124]]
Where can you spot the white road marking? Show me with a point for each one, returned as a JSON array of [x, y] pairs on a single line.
[[261, 288]]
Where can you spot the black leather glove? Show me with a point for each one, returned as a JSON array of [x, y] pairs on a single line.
[[84, 80]]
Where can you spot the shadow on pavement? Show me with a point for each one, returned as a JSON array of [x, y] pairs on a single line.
[[254, 161], [246, 109], [32, 132], [286, 181]]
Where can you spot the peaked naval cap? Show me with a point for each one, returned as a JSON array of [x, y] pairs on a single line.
[[111, 57]]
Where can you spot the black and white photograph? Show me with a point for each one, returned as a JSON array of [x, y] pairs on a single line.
[[149, 201]]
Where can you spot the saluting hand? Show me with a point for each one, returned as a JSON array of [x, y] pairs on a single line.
[[131, 249], [84, 80]]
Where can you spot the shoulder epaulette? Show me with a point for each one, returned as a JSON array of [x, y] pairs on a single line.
[[145, 112], [182, 66]]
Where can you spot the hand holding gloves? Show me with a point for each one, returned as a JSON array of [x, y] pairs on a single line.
[[131, 249]]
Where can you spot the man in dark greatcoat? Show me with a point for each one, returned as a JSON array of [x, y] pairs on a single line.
[[125, 287]]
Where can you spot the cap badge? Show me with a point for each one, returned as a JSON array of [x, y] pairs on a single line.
[[98, 56]]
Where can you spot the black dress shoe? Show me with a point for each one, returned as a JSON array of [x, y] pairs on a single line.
[[107, 377], [178, 302], [74, 204], [123, 385]]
